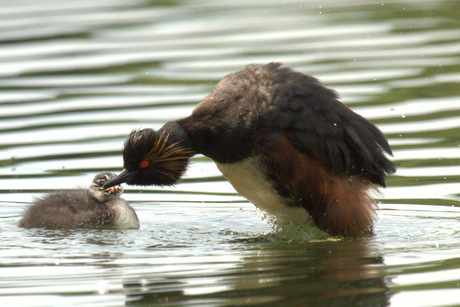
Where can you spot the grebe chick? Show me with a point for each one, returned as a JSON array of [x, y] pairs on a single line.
[[283, 140], [96, 207]]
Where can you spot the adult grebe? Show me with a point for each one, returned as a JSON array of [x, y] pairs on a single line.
[[282, 139]]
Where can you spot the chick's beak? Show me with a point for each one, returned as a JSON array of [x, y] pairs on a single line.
[[124, 176]]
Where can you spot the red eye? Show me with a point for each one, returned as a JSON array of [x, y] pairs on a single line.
[[144, 164]]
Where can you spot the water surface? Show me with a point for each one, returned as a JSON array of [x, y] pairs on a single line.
[[77, 77]]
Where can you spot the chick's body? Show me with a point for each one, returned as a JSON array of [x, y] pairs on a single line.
[[82, 208]]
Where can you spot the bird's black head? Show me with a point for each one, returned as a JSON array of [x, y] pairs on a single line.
[[151, 158]]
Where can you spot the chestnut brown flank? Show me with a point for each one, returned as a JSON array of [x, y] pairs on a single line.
[[338, 204]]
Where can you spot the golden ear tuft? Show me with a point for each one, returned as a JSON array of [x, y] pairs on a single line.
[[170, 160]]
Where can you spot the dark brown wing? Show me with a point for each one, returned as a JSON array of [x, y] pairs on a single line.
[[325, 129]]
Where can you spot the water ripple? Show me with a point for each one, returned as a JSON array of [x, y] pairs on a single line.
[[77, 77]]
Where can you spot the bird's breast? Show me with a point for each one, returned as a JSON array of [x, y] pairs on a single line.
[[249, 180], [125, 217]]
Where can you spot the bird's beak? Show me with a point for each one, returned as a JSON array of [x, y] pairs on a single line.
[[124, 176]]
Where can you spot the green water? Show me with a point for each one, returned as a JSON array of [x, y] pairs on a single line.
[[77, 77]]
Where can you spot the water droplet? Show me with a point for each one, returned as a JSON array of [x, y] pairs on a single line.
[[403, 115], [102, 287], [144, 285]]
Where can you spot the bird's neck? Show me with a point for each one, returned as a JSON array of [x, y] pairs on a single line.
[[177, 135]]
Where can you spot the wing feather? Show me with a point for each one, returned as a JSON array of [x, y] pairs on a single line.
[[322, 127]]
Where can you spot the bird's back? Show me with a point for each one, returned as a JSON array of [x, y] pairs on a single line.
[[65, 209]]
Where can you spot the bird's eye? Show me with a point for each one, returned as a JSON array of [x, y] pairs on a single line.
[[144, 164]]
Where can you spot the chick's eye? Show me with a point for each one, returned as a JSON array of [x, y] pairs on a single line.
[[144, 164]]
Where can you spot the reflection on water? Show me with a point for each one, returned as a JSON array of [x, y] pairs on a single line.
[[77, 77], [313, 274]]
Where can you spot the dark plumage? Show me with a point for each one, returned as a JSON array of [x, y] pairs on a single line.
[[282, 139], [82, 208]]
